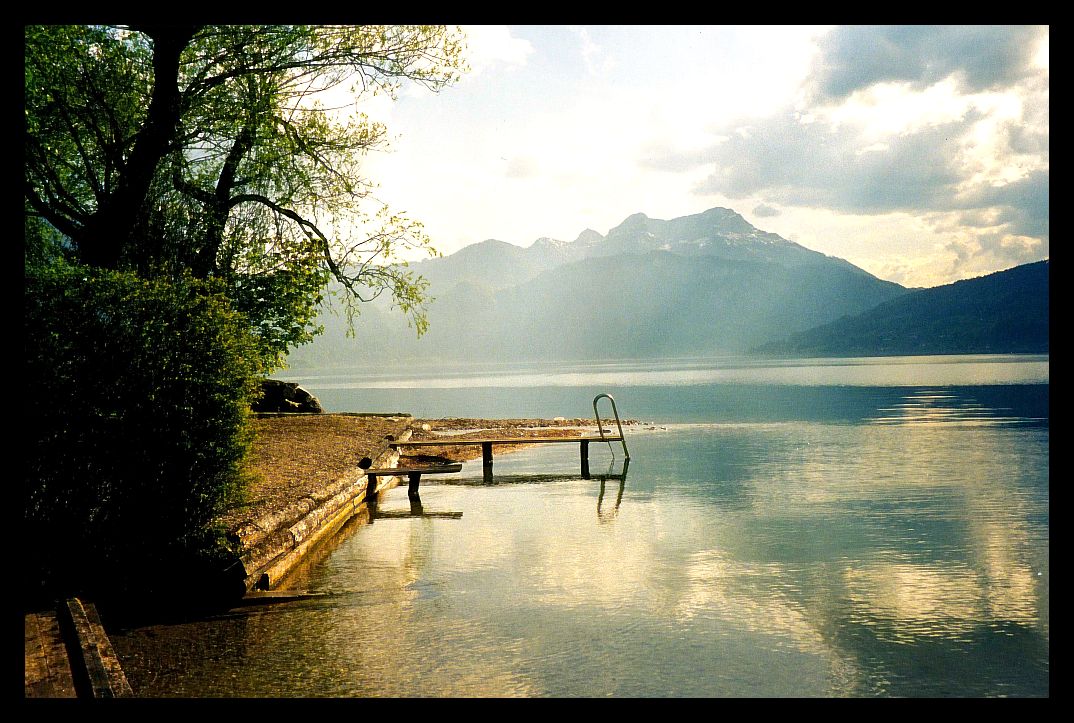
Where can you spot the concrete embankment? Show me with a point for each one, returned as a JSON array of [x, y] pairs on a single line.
[[276, 542]]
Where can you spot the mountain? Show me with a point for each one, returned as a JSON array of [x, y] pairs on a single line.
[[708, 283], [718, 232], [1004, 312]]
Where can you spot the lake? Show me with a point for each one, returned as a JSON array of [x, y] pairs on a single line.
[[796, 528]]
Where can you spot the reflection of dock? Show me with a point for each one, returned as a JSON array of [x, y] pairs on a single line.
[[414, 477], [529, 478], [417, 510], [404, 515]]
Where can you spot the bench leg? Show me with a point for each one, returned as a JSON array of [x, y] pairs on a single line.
[[585, 458], [371, 497], [486, 461]]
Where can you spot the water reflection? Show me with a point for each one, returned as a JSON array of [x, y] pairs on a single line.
[[375, 512], [930, 406], [606, 515], [773, 559], [907, 601]]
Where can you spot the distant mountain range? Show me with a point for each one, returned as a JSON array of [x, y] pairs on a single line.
[[705, 284], [1004, 312]]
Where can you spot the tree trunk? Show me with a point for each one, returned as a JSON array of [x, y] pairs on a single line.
[[108, 233], [219, 208]]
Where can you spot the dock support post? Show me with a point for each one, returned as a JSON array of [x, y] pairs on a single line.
[[412, 493], [585, 458], [486, 461]]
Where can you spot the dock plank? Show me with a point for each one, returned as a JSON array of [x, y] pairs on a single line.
[[454, 441], [48, 670]]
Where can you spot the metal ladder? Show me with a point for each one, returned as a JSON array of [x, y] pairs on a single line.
[[600, 426]]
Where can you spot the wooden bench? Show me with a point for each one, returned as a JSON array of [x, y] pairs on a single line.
[[413, 474], [486, 444]]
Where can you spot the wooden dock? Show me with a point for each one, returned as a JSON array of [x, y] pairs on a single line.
[[487, 443]]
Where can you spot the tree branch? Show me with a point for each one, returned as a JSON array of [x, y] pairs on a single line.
[[62, 224]]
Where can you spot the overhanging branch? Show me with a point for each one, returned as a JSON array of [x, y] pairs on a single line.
[[351, 281]]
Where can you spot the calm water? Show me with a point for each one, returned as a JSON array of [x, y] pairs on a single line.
[[832, 528]]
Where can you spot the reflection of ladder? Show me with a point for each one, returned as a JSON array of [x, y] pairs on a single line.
[[600, 427]]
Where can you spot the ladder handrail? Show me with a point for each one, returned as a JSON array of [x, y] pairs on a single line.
[[600, 426]]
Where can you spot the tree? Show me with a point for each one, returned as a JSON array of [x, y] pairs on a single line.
[[212, 151], [137, 437]]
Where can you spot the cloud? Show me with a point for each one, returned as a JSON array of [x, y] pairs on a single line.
[[1021, 206], [765, 211], [980, 57], [491, 45], [813, 164], [521, 167], [977, 254], [596, 61], [953, 129], [660, 156], [955, 121]]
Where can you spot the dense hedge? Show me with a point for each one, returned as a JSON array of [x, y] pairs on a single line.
[[138, 395]]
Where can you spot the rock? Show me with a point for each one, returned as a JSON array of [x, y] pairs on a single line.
[[277, 396]]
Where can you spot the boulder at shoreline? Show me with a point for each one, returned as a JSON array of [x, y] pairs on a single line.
[[278, 396]]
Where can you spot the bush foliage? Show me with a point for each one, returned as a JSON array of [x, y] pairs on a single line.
[[138, 393]]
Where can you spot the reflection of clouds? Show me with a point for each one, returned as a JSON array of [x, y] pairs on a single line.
[[480, 548], [925, 407], [988, 476], [981, 482], [1011, 588], [400, 657], [609, 567], [384, 645], [749, 594], [648, 565], [760, 597], [1004, 543], [869, 510], [905, 601], [909, 483]]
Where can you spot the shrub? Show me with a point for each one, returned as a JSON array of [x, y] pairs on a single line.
[[138, 396]]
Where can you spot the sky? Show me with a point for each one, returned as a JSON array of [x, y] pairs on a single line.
[[919, 153]]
